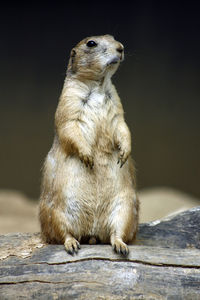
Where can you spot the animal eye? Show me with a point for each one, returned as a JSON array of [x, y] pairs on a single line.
[[91, 44]]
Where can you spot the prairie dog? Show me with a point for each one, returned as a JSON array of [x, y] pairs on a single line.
[[88, 186]]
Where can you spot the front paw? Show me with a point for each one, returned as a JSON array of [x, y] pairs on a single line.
[[88, 160], [123, 155]]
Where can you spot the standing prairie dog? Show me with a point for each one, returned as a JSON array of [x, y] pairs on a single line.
[[88, 187]]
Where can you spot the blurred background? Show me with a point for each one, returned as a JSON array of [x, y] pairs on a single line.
[[159, 84]]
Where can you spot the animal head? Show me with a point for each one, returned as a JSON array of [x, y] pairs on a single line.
[[95, 56]]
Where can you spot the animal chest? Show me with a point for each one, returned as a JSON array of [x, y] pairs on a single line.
[[98, 110]]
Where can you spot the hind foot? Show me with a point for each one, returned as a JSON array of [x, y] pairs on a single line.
[[120, 247], [71, 245]]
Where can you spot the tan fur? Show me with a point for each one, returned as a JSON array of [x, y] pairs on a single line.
[[88, 186]]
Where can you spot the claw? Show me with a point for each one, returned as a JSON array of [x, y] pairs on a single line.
[[70, 251], [76, 250], [124, 251], [87, 160], [114, 248]]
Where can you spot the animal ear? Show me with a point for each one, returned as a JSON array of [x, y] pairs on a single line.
[[72, 56], [71, 66]]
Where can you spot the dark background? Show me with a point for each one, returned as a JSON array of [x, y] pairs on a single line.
[[158, 83]]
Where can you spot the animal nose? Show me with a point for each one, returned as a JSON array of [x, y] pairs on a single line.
[[120, 49]]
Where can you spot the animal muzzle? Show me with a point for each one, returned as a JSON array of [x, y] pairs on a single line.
[[114, 60]]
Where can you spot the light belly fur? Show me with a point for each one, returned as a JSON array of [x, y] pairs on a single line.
[[88, 194]]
